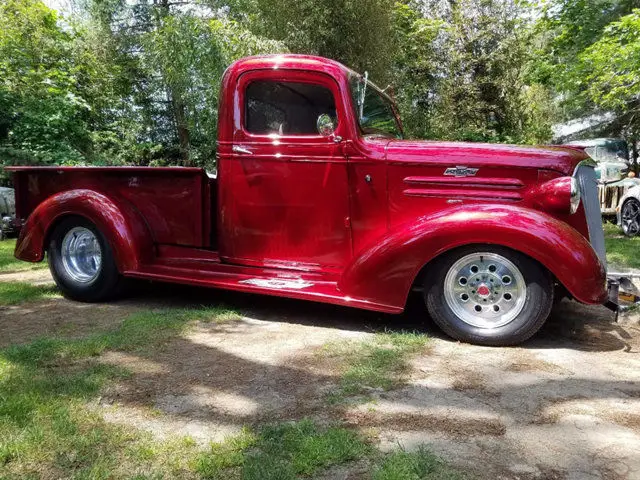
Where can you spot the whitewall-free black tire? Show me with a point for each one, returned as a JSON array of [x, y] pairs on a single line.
[[81, 261], [488, 295]]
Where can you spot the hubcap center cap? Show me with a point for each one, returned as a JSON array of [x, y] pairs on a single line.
[[483, 291]]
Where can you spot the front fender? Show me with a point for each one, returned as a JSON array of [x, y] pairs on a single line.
[[120, 223], [385, 272]]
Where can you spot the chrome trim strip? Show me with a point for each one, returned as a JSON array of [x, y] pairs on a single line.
[[476, 194], [487, 182]]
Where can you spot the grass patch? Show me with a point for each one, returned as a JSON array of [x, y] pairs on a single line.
[[48, 429], [621, 250], [378, 364], [65, 439], [284, 451], [9, 263], [417, 465], [12, 293]]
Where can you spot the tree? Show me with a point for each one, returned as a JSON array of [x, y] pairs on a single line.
[[44, 116], [464, 71], [566, 30], [611, 73], [358, 33], [419, 69], [611, 66], [588, 56]]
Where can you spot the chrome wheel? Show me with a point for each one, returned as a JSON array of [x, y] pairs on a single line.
[[630, 217], [81, 255], [485, 290]]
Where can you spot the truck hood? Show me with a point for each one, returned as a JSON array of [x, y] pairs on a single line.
[[453, 154]]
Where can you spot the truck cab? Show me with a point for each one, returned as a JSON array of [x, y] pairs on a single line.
[[318, 196]]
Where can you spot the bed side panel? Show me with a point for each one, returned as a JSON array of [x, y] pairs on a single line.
[[171, 201]]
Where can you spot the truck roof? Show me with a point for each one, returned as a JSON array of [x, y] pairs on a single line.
[[288, 61]]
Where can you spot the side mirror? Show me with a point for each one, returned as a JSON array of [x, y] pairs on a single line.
[[325, 125]]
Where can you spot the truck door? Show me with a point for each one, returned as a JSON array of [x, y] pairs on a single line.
[[284, 188]]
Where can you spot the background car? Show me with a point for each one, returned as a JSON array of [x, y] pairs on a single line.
[[8, 224], [611, 154], [628, 212], [612, 171]]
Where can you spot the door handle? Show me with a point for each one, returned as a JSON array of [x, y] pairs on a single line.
[[243, 150]]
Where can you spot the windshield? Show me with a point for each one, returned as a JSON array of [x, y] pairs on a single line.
[[374, 111]]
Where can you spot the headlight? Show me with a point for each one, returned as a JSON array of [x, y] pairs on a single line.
[[575, 195], [560, 195]]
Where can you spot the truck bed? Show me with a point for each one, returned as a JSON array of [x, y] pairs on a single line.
[[178, 204]]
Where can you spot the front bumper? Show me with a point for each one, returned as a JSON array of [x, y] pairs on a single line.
[[613, 295], [622, 293]]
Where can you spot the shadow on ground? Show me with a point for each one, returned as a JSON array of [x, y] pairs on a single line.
[[571, 325]]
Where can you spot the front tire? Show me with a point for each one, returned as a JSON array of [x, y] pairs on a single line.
[[488, 295], [81, 261]]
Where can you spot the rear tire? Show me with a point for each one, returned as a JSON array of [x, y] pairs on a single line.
[[488, 295], [81, 261]]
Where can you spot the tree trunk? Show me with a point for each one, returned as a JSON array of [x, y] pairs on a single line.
[[177, 105], [184, 137], [634, 153]]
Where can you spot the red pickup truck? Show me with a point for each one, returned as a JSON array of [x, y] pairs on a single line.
[[318, 197]]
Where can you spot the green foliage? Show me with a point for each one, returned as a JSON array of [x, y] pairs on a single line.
[[611, 66], [376, 364], [12, 293], [418, 70], [281, 451], [357, 33], [191, 54], [136, 82], [622, 251], [418, 465], [173, 59], [127, 84], [9, 263], [588, 53], [43, 115], [577, 24], [462, 72]]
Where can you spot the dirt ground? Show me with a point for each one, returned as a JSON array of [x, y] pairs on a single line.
[[564, 405]]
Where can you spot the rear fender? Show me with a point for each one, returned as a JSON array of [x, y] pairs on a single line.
[[121, 224], [386, 271]]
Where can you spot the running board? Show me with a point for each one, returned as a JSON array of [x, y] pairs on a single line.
[[302, 286]]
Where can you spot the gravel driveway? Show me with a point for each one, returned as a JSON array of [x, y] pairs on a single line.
[[564, 405]]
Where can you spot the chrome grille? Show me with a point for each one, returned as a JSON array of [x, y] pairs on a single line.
[[586, 176]]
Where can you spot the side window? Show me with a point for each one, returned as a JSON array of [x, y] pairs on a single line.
[[286, 108]]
